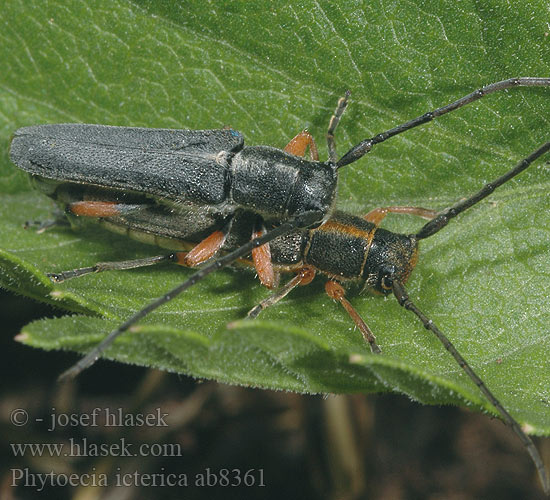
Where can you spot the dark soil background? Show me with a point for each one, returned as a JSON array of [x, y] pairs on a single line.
[[296, 446]]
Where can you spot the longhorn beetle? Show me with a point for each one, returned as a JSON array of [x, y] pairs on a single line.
[[205, 191]]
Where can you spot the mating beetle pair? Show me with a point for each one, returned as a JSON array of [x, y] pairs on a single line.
[[205, 191]]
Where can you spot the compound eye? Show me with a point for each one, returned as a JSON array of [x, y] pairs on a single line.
[[386, 283]]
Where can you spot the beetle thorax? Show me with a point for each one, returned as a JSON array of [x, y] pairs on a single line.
[[278, 185]]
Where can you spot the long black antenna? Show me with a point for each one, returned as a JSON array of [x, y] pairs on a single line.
[[443, 218], [429, 229], [405, 301], [365, 146], [304, 220]]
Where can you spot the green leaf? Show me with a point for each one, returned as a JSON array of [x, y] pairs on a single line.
[[270, 72]]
